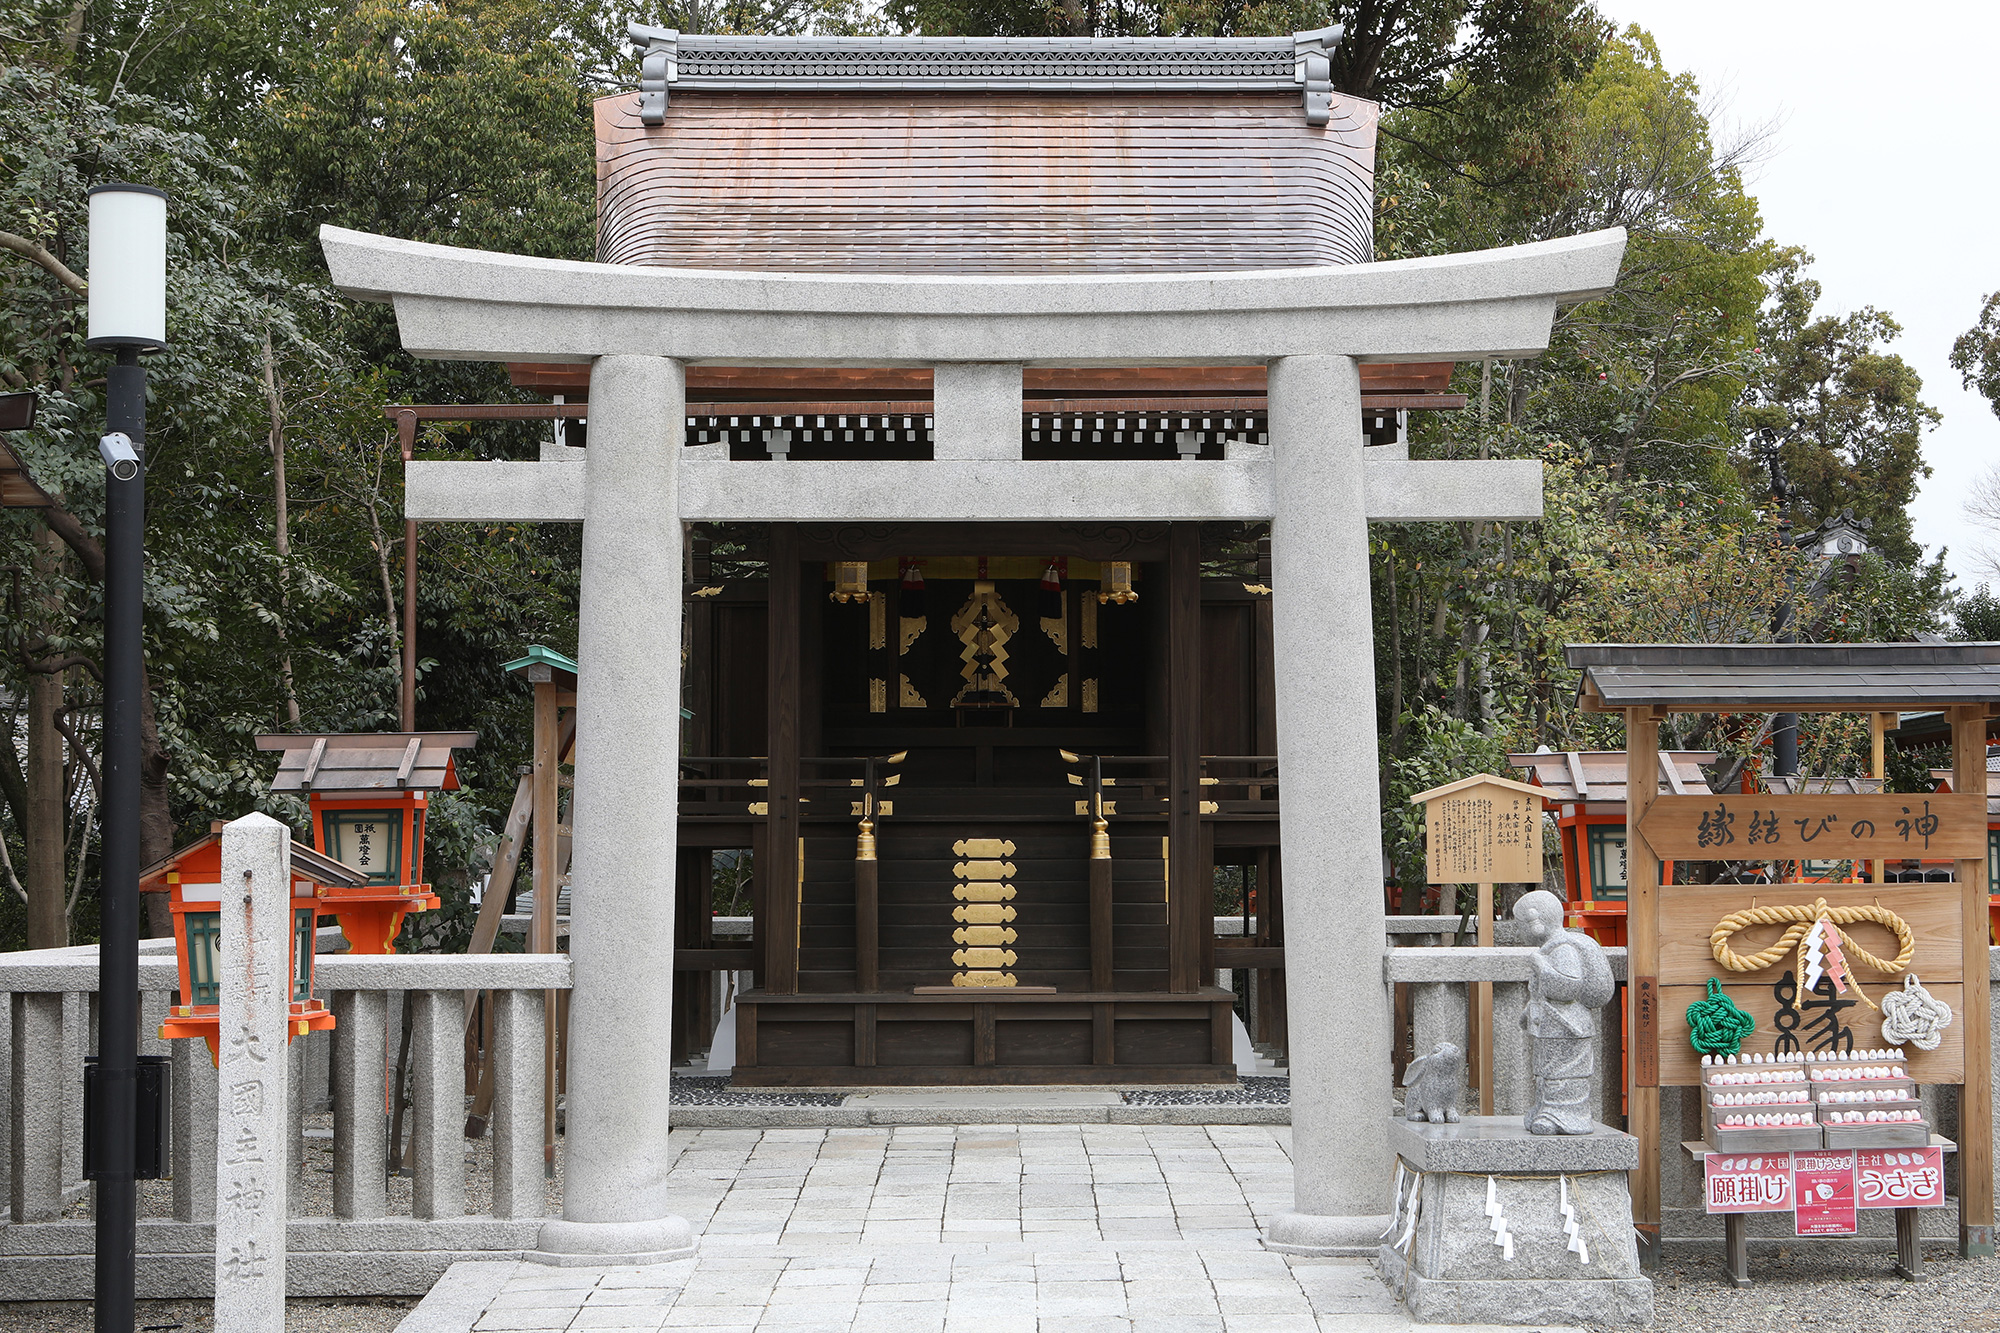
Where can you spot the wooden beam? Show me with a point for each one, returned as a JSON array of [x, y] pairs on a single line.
[[1975, 1100], [1190, 912], [781, 885], [1642, 941]]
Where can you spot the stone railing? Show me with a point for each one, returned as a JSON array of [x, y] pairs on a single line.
[[1439, 979], [366, 1229]]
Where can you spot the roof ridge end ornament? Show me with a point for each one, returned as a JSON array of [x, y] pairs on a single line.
[[659, 65], [1314, 69]]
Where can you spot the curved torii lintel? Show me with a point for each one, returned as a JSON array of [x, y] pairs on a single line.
[[478, 305]]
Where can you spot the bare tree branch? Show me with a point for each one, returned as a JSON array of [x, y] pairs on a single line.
[[28, 249]]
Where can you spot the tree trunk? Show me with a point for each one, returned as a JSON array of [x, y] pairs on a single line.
[[43, 834], [156, 817], [281, 535]]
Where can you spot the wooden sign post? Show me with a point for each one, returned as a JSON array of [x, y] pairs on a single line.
[[1482, 830]]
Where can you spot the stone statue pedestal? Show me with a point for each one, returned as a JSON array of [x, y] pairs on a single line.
[[1452, 1268]]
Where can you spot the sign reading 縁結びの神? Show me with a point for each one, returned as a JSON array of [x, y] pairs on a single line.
[[1763, 827]]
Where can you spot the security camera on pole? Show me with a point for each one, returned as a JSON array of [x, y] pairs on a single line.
[[128, 315]]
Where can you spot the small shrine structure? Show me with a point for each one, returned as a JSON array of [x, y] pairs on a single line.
[[1688, 942]]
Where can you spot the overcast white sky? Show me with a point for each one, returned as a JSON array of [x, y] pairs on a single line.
[[1886, 166]]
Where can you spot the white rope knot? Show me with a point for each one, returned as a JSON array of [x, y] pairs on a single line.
[[1914, 1017]]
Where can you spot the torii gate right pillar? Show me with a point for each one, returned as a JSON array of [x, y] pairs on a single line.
[[1331, 832]]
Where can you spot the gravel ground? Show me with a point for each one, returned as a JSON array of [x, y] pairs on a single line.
[[1825, 1286], [1251, 1089], [375, 1315], [714, 1090]]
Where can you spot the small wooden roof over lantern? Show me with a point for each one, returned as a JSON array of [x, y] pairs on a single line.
[[1482, 830], [192, 880], [369, 794]]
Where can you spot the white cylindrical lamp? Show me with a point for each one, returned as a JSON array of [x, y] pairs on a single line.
[[128, 266]]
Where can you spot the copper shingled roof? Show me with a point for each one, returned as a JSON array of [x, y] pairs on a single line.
[[408, 760], [1768, 677], [984, 183], [1599, 775]]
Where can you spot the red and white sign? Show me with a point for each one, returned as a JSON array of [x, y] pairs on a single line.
[[1901, 1177], [1823, 1183], [1749, 1182]]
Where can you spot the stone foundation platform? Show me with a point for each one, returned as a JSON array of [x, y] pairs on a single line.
[[1450, 1267]]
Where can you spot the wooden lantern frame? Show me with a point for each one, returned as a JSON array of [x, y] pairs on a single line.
[[192, 880], [387, 775]]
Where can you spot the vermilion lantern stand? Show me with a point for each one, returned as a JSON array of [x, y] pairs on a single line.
[[192, 880], [369, 795]]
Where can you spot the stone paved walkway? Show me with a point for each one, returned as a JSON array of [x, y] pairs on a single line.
[[971, 1229]]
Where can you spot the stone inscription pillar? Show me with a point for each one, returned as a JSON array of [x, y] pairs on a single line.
[[253, 1121], [1330, 830], [616, 1207]]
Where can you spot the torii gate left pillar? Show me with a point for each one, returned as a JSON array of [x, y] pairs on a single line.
[[638, 483]]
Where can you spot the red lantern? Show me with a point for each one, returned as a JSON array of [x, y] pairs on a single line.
[[192, 880], [369, 795]]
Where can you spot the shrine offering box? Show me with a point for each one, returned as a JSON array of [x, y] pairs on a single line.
[[1836, 1097]]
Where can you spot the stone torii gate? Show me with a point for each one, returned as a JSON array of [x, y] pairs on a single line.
[[638, 328]]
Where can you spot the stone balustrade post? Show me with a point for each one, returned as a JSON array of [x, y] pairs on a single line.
[[36, 1108], [519, 1188], [359, 1087], [437, 1067]]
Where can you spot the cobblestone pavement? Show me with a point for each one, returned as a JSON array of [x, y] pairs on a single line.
[[968, 1229]]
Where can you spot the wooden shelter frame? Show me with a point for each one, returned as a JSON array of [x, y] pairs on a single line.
[[1886, 680]]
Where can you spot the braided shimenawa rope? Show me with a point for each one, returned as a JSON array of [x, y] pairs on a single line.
[[1797, 920]]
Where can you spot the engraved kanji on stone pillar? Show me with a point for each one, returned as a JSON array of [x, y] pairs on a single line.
[[251, 1156]]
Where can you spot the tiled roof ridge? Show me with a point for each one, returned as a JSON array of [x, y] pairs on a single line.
[[675, 61]]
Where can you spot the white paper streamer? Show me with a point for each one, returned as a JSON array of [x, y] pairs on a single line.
[[1404, 1241], [1815, 948], [1396, 1214], [1501, 1235], [1571, 1228]]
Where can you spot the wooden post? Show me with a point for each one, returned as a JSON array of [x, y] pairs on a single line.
[[1975, 1101], [1481, 1028], [1642, 941], [545, 814], [781, 845], [1190, 896], [867, 936], [1878, 727], [406, 439], [1100, 905]]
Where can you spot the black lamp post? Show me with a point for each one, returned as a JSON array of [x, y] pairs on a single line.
[[128, 315]]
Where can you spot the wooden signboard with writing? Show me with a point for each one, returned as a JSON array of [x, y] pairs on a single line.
[[1483, 830], [1824, 1020], [1762, 827]]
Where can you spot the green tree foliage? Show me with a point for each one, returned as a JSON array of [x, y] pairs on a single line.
[[1844, 415], [1975, 355]]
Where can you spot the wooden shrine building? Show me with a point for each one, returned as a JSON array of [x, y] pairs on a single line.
[[971, 691]]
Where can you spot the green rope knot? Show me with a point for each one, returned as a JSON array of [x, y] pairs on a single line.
[[1715, 1025]]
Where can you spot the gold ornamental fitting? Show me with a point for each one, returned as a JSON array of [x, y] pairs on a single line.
[[1100, 840], [864, 842]]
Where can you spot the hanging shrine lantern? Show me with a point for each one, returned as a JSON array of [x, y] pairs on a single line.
[[1116, 584], [192, 880], [369, 794], [850, 582]]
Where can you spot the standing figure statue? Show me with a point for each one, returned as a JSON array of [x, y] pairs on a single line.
[[1571, 980]]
